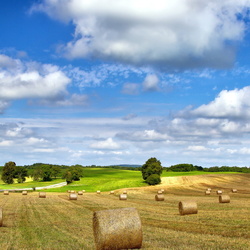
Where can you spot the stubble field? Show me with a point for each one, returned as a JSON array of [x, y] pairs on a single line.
[[55, 222]]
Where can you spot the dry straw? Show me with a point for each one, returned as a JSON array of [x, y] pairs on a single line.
[[117, 229], [124, 192], [159, 192], [207, 192], [6, 192], [159, 197], [80, 193], [122, 197], [1, 217], [188, 207], [219, 192], [73, 196], [98, 192], [24, 193], [224, 199], [42, 195], [234, 190], [162, 190]]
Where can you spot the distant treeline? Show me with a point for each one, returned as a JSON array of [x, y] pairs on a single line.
[[185, 167]]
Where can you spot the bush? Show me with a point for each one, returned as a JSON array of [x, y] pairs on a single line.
[[153, 179]]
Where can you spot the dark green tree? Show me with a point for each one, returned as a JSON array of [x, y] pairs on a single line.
[[153, 179], [20, 174], [151, 166], [8, 172]]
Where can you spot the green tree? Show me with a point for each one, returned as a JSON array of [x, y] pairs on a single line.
[[8, 172], [151, 166], [20, 174], [153, 179]]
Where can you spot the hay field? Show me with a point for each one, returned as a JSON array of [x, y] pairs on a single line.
[[56, 222]]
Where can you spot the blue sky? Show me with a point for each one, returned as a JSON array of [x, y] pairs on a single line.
[[119, 81]]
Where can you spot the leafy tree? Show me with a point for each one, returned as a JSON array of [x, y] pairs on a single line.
[[20, 174], [8, 172], [151, 166], [55, 171], [73, 173], [68, 177], [153, 179]]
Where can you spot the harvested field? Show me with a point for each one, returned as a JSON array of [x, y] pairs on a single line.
[[33, 223]]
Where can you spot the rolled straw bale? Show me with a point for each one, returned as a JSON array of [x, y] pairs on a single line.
[[188, 207], [117, 229], [1, 217], [111, 192], [98, 192], [24, 192], [209, 189], [122, 197], [83, 191], [159, 192], [224, 198], [234, 190], [42, 195], [219, 192], [73, 196], [80, 193], [72, 191], [159, 197], [124, 192], [207, 192], [6, 192], [162, 190], [69, 191]]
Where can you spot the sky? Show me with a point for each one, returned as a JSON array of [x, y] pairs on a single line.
[[106, 82]]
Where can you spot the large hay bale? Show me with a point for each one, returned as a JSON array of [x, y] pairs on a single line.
[[124, 192], [162, 190], [24, 192], [111, 192], [188, 207], [159, 192], [1, 217], [224, 198], [98, 192], [122, 197], [42, 195], [207, 192], [80, 193], [159, 197], [117, 229], [72, 191], [73, 196], [6, 192], [234, 190], [219, 192]]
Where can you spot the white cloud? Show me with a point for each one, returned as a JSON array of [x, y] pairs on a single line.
[[108, 144], [130, 89], [6, 143], [177, 34], [150, 83]]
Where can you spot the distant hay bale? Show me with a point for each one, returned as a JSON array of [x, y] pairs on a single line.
[[83, 191], [234, 190], [159, 192], [111, 192], [124, 192], [188, 207], [69, 191], [224, 198], [122, 197], [6, 192], [162, 190], [80, 193], [209, 189], [72, 191], [207, 192], [98, 192], [219, 192], [1, 217], [24, 192], [117, 229], [42, 195], [159, 197], [73, 196]]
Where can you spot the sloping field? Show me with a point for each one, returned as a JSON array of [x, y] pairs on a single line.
[[55, 222]]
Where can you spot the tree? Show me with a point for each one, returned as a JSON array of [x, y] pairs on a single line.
[[8, 172], [153, 179], [20, 174], [151, 166], [73, 174]]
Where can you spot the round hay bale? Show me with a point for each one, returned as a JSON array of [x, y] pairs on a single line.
[[24, 192], [122, 197], [73, 196], [83, 191], [162, 190], [159, 192], [207, 192], [69, 191], [72, 191], [159, 197], [98, 192], [219, 192], [1, 217], [42, 195], [224, 198], [188, 207], [80, 193], [234, 190], [111, 192], [124, 192], [6, 192], [117, 229], [209, 189]]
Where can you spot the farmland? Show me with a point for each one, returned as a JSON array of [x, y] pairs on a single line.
[[59, 223]]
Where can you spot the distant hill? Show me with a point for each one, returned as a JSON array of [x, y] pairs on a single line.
[[128, 165]]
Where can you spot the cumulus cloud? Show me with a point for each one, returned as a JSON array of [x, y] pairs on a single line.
[[150, 83], [108, 144], [182, 34]]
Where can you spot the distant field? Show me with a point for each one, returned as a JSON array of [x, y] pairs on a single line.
[[56, 222], [104, 179]]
